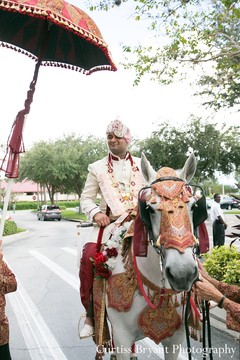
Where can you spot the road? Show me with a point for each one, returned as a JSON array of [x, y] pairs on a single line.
[[44, 312]]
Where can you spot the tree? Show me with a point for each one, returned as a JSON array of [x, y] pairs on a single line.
[[61, 165], [76, 155], [189, 34], [40, 164], [215, 147], [165, 147]]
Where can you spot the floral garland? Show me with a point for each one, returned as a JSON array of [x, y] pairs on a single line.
[[105, 260], [125, 195]]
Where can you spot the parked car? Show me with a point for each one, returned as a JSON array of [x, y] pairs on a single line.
[[209, 202], [229, 203], [49, 212]]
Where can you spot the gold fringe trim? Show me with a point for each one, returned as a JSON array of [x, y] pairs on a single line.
[[101, 325]]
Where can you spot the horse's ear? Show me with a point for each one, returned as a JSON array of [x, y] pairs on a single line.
[[148, 173], [189, 169]]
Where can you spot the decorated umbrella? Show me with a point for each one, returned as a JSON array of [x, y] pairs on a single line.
[[53, 33]]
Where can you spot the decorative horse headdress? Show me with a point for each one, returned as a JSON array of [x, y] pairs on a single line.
[[175, 227]]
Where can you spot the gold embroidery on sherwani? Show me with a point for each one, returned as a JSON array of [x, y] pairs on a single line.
[[98, 293]]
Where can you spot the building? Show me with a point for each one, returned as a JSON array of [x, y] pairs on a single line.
[[30, 191]]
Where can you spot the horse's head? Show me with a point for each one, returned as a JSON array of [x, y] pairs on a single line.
[[165, 207]]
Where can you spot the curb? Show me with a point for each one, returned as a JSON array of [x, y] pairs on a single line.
[[218, 320], [10, 238], [220, 325]]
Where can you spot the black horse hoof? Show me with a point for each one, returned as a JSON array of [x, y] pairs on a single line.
[[113, 357]]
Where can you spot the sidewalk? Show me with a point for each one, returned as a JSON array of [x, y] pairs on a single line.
[[218, 320]]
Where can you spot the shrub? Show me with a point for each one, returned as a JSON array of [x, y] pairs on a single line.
[[232, 275], [62, 207], [223, 264], [10, 227]]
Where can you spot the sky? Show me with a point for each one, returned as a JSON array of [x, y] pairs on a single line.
[[67, 102]]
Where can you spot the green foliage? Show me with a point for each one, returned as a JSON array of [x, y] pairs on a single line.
[[61, 166], [188, 34], [10, 227], [232, 275], [25, 205], [166, 147], [30, 205], [68, 204], [215, 147], [223, 264], [73, 215], [76, 155]]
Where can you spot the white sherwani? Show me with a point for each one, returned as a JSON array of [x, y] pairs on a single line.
[[117, 189]]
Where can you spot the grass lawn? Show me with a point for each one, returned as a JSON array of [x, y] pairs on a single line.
[[73, 215], [19, 230], [233, 211]]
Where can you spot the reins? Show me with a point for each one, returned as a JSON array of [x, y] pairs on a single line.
[[140, 283], [205, 320], [186, 325]]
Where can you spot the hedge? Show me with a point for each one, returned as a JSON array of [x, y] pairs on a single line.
[[223, 264], [33, 205]]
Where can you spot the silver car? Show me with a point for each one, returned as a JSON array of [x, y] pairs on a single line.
[[49, 212]]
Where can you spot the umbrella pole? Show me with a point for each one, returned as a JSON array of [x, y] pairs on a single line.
[[15, 139], [15, 143], [5, 207]]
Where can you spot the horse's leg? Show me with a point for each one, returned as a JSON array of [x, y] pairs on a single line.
[[125, 327], [124, 333], [123, 341], [172, 345]]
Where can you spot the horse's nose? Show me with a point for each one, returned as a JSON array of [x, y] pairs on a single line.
[[181, 280]]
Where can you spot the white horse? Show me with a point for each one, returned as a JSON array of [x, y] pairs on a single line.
[[169, 265]]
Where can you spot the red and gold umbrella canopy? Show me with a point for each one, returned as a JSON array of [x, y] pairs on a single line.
[[53, 33], [66, 35]]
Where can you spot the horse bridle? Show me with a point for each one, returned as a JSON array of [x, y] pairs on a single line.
[[199, 215], [199, 209]]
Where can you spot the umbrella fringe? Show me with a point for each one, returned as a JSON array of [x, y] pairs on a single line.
[[59, 64], [15, 48], [76, 68]]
